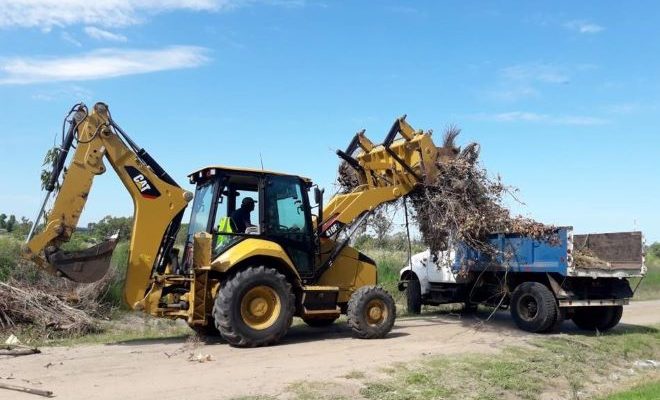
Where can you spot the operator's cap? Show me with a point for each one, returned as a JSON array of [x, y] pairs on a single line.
[[247, 201]]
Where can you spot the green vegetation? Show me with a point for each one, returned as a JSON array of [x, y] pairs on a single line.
[[650, 286], [391, 254], [644, 391], [567, 363], [566, 366], [355, 374], [125, 327], [318, 391], [9, 251]]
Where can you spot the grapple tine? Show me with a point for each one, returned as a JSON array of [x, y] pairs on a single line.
[[84, 266]]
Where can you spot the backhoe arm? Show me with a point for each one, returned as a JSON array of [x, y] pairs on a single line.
[[383, 173], [158, 205]]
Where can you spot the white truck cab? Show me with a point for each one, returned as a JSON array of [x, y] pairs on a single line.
[[430, 280]]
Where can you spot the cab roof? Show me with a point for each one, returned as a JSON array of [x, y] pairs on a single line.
[[214, 169]]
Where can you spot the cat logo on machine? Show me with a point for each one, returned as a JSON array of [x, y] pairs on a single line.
[[147, 189]]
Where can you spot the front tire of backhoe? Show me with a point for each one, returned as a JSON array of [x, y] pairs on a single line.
[[254, 308], [371, 312]]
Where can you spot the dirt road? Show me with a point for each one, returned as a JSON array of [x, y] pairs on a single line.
[[161, 370]]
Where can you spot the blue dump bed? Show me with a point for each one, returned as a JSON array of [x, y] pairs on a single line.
[[616, 254]]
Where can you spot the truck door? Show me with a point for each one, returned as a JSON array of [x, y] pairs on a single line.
[[440, 271]]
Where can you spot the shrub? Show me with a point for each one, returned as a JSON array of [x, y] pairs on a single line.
[[9, 253]]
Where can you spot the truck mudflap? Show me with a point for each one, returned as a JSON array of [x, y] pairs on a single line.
[[84, 266]]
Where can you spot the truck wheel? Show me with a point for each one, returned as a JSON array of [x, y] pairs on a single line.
[[414, 296], [555, 327], [319, 322], [533, 307], [597, 318], [371, 312], [254, 308]]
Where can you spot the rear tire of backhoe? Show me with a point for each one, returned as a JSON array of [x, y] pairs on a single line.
[[254, 308], [371, 312]]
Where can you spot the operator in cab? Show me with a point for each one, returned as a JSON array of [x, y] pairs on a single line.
[[240, 218]]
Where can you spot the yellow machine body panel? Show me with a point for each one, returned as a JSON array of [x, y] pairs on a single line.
[[248, 249], [348, 273]]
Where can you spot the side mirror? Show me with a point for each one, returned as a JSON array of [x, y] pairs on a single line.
[[318, 195]]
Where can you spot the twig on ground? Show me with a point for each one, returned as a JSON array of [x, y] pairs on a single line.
[[38, 392]]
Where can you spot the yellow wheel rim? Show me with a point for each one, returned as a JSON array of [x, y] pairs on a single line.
[[260, 307], [376, 312]]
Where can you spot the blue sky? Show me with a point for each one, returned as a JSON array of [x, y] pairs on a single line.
[[563, 97]]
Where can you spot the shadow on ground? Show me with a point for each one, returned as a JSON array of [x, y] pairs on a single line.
[[481, 321]]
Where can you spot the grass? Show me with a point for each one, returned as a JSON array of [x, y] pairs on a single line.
[[567, 366], [645, 391], [9, 251], [389, 264], [355, 374], [567, 362], [649, 289], [317, 391], [124, 327]]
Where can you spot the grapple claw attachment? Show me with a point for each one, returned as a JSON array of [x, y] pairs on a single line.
[[84, 266]]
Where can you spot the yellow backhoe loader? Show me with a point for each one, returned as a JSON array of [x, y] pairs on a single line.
[[255, 254]]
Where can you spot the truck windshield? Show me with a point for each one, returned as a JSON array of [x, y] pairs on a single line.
[[199, 219]]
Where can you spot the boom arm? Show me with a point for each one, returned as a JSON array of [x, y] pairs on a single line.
[[158, 205], [384, 173]]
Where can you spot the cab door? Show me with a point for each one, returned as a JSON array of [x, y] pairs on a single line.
[[287, 220]]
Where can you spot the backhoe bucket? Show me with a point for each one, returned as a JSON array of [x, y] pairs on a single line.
[[84, 266]]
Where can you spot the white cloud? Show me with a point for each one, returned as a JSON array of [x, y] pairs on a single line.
[[516, 116], [45, 14], [99, 64], [535, 73], [523, 81], [100, 34], [68, 92], [583, 26], [67, 37], [522, 116]]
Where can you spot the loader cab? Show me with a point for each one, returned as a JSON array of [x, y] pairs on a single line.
[[282, 212]]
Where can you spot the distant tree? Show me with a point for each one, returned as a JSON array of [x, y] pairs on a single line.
[[654, 250], [182, 235], [11, 223], [381, 222], [22, 228], [110, 225], [3, 221]]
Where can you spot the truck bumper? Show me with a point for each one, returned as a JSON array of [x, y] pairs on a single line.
[[594, 303]]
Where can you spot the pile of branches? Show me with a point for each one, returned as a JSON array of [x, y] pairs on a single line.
[[54, 306], [41, 309], [462, 203]]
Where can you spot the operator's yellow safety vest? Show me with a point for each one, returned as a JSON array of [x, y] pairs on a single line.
[[224, 226]]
